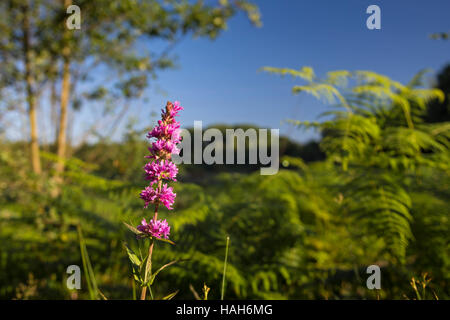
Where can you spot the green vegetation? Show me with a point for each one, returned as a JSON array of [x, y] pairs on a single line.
[[374, 190], [379, 197]]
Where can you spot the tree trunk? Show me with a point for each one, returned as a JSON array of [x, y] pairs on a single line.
[[54, 108], [62, 132], [65, 95], [31, 97]]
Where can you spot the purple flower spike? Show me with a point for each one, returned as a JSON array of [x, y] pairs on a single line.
[[165, 137], [164, 169], [155, 228]]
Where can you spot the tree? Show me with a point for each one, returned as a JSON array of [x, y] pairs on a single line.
[[110, 32], [438, 111], [21, 55]]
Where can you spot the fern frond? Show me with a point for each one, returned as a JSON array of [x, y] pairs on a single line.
[[383, 206], [305, 73]]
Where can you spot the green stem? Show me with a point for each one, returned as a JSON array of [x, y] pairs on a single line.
[[151, 292], [133, 284], [148, 270], [148, 266], [225, 269]]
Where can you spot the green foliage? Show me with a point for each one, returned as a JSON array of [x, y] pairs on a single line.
[[87, 266], [380, 197], [377, 133], [440, 35]]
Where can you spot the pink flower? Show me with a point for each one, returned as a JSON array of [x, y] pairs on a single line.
[[158, 170], [172, 110], [176, 136], [168, 131], [163, 149], [167, 197], [176, 109], [158, 228], [151, 195]]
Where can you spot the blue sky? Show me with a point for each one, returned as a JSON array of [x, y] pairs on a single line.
[[219, 82]]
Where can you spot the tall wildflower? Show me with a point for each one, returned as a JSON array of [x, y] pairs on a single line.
[[159, 171], [165, 136]]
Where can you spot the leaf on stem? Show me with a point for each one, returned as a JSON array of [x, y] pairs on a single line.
[[160, 269], [164, 240], [135, 263], [133, 257], [133, 229], [170, 296]]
